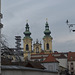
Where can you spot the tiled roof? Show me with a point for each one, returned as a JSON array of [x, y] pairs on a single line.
[[37, 57], [5, 61], [35, 65], [71, 56], [50, 58], [40, 54], [60, 52], [60, 56], [25, 64]]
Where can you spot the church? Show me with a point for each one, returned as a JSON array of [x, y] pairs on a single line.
[[53, 61], [27, 42]]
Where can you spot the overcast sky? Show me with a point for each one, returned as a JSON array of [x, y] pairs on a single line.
[[16, 12]]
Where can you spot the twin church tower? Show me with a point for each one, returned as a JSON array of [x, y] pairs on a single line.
[[27, 42]]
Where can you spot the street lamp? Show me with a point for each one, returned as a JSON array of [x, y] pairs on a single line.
[[1, 26], [70, 25]]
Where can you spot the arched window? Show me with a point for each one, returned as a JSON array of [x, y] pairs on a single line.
[[47, 46], [27, 47], [37, 50]]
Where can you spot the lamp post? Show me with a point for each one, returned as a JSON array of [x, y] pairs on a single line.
[[1, 26], [70, 25]]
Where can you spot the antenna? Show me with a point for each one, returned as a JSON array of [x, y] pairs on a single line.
[[70, 26]]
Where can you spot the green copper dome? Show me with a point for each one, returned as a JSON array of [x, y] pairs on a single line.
[[27, 33], [47, 32]]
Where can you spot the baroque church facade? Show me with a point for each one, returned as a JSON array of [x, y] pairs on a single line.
[[27, 42]]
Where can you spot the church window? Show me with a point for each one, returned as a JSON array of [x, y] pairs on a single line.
[[37, 50], [47, 46], [27, 47]]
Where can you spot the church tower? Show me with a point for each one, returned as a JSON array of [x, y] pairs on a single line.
[[37, 47], [27, 42], [47, 39]]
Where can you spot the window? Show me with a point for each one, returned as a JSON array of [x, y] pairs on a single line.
[[71, 73], [71, 63], [36, 60], [72, 68], [47, 46], [27, 47], [37, 50], [41, 59]]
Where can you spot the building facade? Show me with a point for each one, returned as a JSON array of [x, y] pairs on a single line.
[[71, 63]]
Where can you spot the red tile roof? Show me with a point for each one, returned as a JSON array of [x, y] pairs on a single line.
[[60, 52], [50, 58], [71, 56], [32, 64], [37, 57], [60, 56], [40, 54]]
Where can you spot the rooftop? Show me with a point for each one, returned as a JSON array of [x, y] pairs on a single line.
[[71, 56], [50, 58]]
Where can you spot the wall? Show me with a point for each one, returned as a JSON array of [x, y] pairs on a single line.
[[63, 62], [51, 66], [70, 66], [13, 70]]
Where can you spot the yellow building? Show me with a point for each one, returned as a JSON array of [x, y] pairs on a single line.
[[27, 42]]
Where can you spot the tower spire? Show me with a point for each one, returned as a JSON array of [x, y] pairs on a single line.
[[27, 41], [47, 32], [27, 33], [46, 20], [47, 39]]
